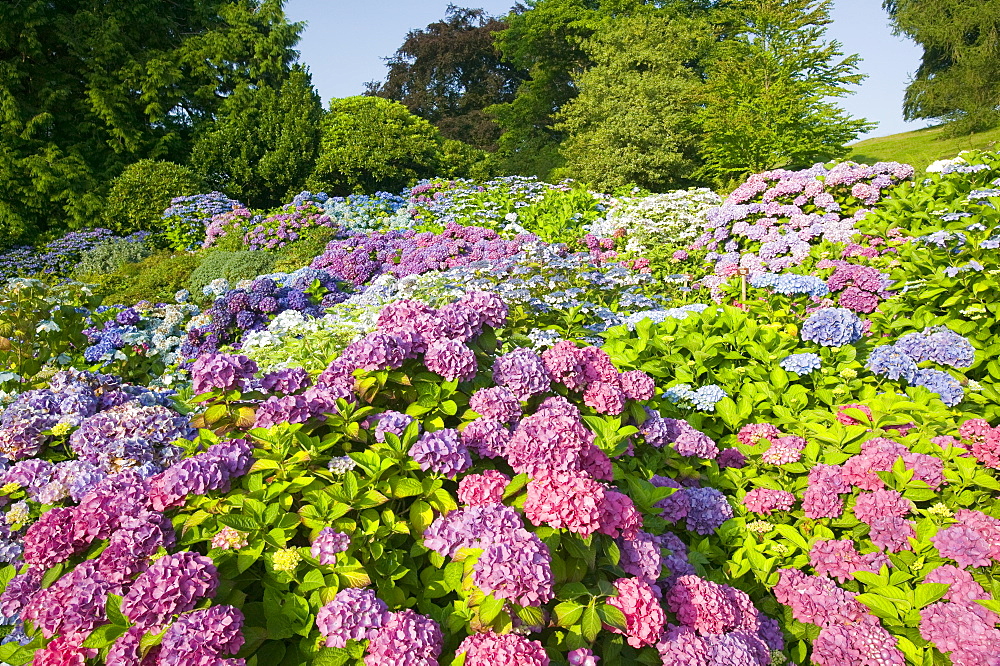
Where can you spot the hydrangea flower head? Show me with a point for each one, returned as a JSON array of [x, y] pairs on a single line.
[[491, 649], [354, 614], [832, 327]]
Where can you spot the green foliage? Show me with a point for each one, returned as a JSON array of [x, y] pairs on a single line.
[[632, 121], [143, 191], [231, 266], [156, 279], [959, 75], [310, 245], [39, 329], [371, 144], [263, 144], [111, 255], [768, 84], [89, 87], [449, 72]]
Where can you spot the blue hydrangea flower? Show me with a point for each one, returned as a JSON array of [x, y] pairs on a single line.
[[832, 327], [802, 364], [942, 383], [707, 396], [790, 283], [891, 362]]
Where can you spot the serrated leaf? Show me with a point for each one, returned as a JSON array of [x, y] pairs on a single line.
[[113, 610], [238, 522], [104, 636], [489, 608], [590, 624], [612, 616], [568, 613]]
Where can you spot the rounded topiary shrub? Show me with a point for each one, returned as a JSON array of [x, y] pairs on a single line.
[[140, 194], [114, 253], [231, 266]]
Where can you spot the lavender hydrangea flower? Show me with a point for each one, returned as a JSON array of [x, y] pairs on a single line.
[[354, 614], [391, 422], [523, 372], [204, 634], [442, 452], [172, 584], [327, 544], [888, 361], [406, 637]]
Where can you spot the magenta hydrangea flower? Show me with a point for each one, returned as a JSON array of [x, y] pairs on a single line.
[[221, 371], [822, 497], [441, 451], [285, 409], [974, 644], [987, 526], [451, 359], [405, 638], [703, 605], [566, 500], [173, 584], [891, 533], [497, 403], [752, 433], [682, 646], [731, 458], [474, 527], [864, 642], [619, 516], [286, 381], [566, 364], [64, 651], [355, 614], [327, 544], [50, 540], [637, 385], [964, 545], [816, 599], [523, 372], [211, 470], [606, 397], [880, 504], [582, 657], [488, 438], [485, 488], [73, 604], [492, 649], [204, 634], [688, 441], [838, 559], [491, 308], [126, 650], [516, 567], [644, 618], [767, 500], [963, 589]]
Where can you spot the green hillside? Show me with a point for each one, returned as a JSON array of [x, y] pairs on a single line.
[[920, 147]]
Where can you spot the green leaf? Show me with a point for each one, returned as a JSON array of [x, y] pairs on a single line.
[[928, 593], [613, 616], [590, 624], [568, 613], [405, 487], [881, 606], [113, 609], [104, 635], [239, 522], [489, 608]]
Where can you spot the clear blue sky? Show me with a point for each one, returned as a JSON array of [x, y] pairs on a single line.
[[345, 41]]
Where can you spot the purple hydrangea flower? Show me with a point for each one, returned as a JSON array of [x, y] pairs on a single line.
[[327, 544], [353, 615], [173, 584], [442, 452]]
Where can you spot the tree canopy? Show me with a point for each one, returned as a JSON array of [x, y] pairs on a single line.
[[449, 72], [959, 75], [769, 83], [90, 86], [633, 121]]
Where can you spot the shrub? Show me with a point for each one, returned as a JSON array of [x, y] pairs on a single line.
[[139, 195], [371, 144], [230, 266], [311, 243], [156, 279], [114, 253], [185, 222]]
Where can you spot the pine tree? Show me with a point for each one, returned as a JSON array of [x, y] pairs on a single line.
[[959, 75], [264, 144]]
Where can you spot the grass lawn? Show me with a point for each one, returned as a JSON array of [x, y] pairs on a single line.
[[920, 147]]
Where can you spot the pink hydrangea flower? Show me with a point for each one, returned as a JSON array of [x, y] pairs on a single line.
[[563, 499], [637, 385], [485, 488], [766, 500], [604, 396], [644, 618], [784, 450], [492, 649], [752, 433], [839, 559]]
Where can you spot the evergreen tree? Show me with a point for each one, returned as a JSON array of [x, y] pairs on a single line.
[[264, 144], [449, 72], [633, 119], [959, 75], [769, 81], [89, 86]]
